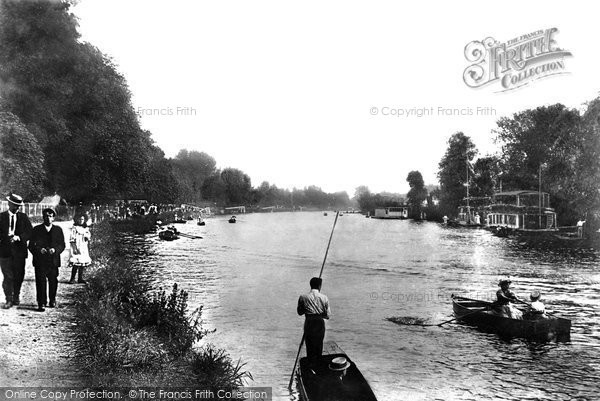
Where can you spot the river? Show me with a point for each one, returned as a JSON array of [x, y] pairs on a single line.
[[248, 277]]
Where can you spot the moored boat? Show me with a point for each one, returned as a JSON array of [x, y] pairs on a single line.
[[521, 212], [168, 235], [399, 213], [320, 380], [232, 219], [550, 328]]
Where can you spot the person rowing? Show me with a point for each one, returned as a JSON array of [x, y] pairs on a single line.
[[504, 304]]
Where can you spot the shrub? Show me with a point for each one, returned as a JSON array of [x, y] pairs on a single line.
[[216, 371], [167, 314]]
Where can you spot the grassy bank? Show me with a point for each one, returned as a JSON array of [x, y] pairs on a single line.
[[130, 333]]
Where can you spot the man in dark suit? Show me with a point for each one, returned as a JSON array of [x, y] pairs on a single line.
[[46, 245], [15, 231]]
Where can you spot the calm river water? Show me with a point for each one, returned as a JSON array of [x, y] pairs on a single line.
[[248, 276]]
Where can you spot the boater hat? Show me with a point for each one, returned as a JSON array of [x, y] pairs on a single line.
[[504, 281], [535, 295], [16, 199], [339, 363]]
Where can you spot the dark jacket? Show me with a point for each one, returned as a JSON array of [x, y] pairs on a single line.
[[23, 229], [41, 238]]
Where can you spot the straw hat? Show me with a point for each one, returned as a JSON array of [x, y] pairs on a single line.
[[535, 295], [15, 199], [339, 363]]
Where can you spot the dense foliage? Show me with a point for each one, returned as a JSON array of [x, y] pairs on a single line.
[[368, 202], [21, 158], [67, 103], [551, 148], [556, 149]]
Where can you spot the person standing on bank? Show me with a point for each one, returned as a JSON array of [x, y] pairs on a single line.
[[315, 307], [80, 254], [15, 231], [46, 245]]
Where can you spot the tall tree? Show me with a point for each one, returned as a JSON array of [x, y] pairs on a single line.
[[237, 186], [486, 175], [587, 167], [73, 100], [161, 186], [453, 173], [417, 193], [363, 196], [191, 169]]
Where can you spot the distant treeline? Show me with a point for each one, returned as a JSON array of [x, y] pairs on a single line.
[[551, 148], [67, 126]]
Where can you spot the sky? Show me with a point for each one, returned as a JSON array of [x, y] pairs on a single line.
[[321, 92]]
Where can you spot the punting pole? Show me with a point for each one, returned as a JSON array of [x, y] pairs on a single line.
[[320, 274]]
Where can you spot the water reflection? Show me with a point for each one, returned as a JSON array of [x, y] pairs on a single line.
[[248, 277]]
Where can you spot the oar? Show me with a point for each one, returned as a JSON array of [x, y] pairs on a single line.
[[458, 317], [189, 236], [320, 273], [436, 324]]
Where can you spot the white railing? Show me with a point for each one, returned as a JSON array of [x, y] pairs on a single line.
[[30, 209]]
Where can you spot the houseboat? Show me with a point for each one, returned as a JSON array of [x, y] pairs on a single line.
[[521, 211], [391, 213]]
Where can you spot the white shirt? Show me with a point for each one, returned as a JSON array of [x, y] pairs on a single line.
[[314, 303], [537, 307]]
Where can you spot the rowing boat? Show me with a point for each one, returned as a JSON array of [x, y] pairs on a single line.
[[550, 328], [317, 382], [168, 235]]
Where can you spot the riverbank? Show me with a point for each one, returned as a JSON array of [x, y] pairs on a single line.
[[115, 331]]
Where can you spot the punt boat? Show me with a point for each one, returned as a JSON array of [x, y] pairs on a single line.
[[318, 382], [551, 328]]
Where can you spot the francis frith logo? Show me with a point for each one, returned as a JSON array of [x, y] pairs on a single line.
[[516, 62]]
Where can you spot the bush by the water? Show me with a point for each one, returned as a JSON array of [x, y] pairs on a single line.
[[217, 370], [127, 328], [167, 315]]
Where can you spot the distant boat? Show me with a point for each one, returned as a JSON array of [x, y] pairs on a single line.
[[201, 222], [319, 381], [325, 214], [232, 219], [398, 213]]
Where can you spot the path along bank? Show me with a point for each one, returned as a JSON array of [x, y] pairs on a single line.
[[117, 330]]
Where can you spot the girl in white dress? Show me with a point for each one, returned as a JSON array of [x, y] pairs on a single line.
[[80, 254]]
